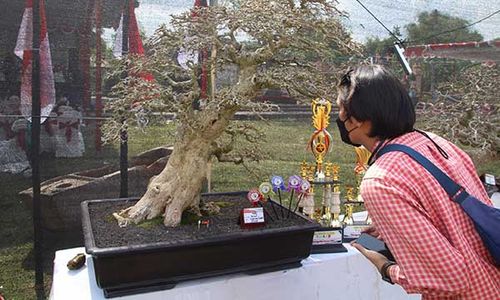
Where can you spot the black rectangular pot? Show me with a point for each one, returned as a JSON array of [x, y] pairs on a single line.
[[143, 268]]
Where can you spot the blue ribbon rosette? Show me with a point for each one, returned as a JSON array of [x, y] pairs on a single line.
[[278, 183]]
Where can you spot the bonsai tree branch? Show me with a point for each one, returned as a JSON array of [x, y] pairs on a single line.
[[286, 44]]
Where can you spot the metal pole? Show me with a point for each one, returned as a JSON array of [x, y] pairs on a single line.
[[123, 133], [213, 56], [433, 93], [35, 147], [98, 75]]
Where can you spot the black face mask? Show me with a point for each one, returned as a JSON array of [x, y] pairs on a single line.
[[344, 133]]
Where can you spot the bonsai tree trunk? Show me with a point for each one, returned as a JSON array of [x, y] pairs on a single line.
[[179, 185]]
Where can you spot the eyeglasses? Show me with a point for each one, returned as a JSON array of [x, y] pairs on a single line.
[[346, 78]]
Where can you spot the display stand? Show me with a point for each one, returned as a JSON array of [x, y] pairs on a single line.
[[328, 239]]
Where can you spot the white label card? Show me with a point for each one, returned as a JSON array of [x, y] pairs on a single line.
[[489, 179], [327, 237], [253, 215], [354, 231]]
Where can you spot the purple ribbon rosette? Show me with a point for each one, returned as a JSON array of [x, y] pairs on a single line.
[[304, 187], [294, 183]]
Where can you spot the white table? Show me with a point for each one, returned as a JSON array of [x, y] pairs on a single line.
[[322, 276]]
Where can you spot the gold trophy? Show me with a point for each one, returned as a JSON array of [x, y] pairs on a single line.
[[335, 177], [319, 143], [349, 193], [310, 173], [303, 170], [328, 171], [362, 156], [348, 219], [335, 205]]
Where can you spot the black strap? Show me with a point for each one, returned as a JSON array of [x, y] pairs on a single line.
[[443, 153], [456, 192]]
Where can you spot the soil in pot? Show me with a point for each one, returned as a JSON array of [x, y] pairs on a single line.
[[107, 233]]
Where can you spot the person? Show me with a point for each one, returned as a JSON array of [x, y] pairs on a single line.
[[437, 251]]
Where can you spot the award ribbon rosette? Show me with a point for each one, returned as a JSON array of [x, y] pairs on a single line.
[[266, 189], [305, 186], [278, 185], [253, 216], [294, 183]]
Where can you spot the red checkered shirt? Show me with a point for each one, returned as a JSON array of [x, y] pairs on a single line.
[[437, 250]]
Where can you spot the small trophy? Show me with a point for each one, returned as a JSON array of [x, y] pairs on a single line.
[[349, 193], [328, 171], [335, 177], [310, 175], [362, 156], [304, 170], [308, 203]]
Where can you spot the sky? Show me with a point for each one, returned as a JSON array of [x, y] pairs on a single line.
[[401, 12], [152, 13]]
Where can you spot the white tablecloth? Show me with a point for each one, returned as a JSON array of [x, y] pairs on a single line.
[[346, 276]]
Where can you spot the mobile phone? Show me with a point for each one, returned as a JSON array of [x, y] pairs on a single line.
[[374, 244]]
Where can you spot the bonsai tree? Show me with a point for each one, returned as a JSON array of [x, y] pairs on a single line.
[[248, 45], [467, 110]]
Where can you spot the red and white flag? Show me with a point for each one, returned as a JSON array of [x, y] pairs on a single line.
[[24, 51], [134, 39]]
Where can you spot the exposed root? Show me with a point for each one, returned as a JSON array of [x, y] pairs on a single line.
[[122, 218]]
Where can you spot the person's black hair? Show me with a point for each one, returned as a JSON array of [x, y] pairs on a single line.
[[372, 93]]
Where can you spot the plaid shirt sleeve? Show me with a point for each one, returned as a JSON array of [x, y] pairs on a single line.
[[426, 261]]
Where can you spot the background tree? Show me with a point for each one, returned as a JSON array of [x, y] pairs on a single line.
[[430, 26], [468, 110], [292, 41], [428, 29], [384, 46]]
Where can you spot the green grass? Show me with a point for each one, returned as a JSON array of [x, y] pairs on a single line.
[[285, 144]]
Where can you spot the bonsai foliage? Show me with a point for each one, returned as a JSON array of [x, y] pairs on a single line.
[[468, 110], [247, 46]]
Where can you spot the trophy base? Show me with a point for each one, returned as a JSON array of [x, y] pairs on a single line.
[[328, 240], [336, 248]]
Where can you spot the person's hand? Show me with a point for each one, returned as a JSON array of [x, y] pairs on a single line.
[[374, 257], [371, 230]]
